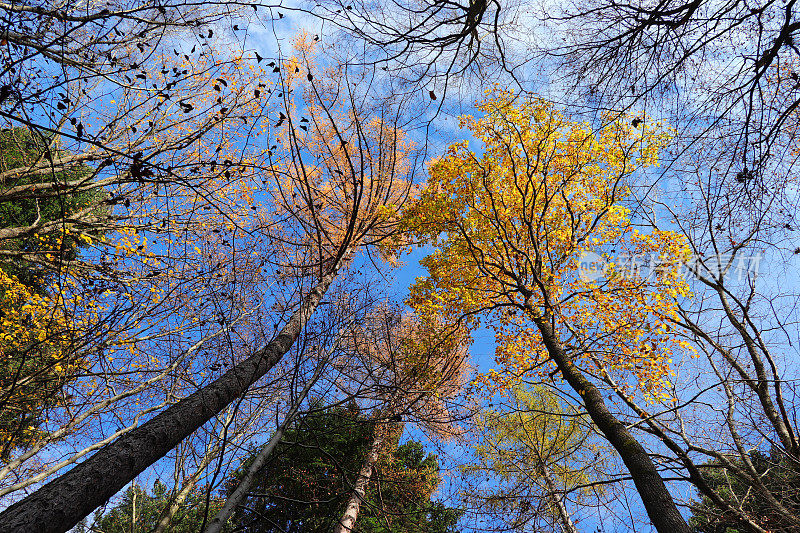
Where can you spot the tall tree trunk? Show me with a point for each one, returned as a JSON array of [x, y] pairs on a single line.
[[61, 504], [658, 502], [348, 520], [133, 507], [174, 504], [217, 523]]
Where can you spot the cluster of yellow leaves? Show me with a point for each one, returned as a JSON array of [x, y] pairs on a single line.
[[347, 180], [540, 434], [35, 337], [28, 318], [512, 223]]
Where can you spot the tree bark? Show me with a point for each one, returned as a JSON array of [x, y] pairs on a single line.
[[174, 505], [61, 504], [658, 502], [348, 520], [217, 523]]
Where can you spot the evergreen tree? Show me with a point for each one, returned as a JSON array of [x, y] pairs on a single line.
[[139, 512], [777, 473], [44, 219], [35, 352], [310, 475]]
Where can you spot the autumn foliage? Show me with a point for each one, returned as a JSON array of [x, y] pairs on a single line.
[[200, 218], [512, 223]]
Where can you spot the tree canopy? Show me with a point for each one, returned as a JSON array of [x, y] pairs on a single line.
[[139, 512], [204, 209]]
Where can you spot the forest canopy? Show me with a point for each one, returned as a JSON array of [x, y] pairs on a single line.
[[363, 266]]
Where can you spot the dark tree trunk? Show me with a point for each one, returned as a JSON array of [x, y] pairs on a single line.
[[61, 504], [657, 500]]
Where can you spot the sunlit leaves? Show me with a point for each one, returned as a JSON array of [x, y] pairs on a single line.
[[539, 451], [341, 166], [512, 223], [36, 358]]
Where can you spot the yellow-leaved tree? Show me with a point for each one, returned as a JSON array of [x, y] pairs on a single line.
[[514, 228], [34, 343], [540, 452]]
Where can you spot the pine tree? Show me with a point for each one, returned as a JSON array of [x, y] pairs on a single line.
[[778, 473], [139, 512], [309, 478], [36, 231]]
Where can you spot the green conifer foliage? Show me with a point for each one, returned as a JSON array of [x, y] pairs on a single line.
[[305, 485]]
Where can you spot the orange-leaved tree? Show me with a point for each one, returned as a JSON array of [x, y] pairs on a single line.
[[337, 173], [513, 227], [415, 364]]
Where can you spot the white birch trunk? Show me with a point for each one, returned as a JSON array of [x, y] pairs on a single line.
[[348, 520]]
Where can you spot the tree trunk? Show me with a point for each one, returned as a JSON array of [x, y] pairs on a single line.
[[61, 504], [219, 521], [657, 500], [133, 507], [348, 520], [174, 505], [567, 526]]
